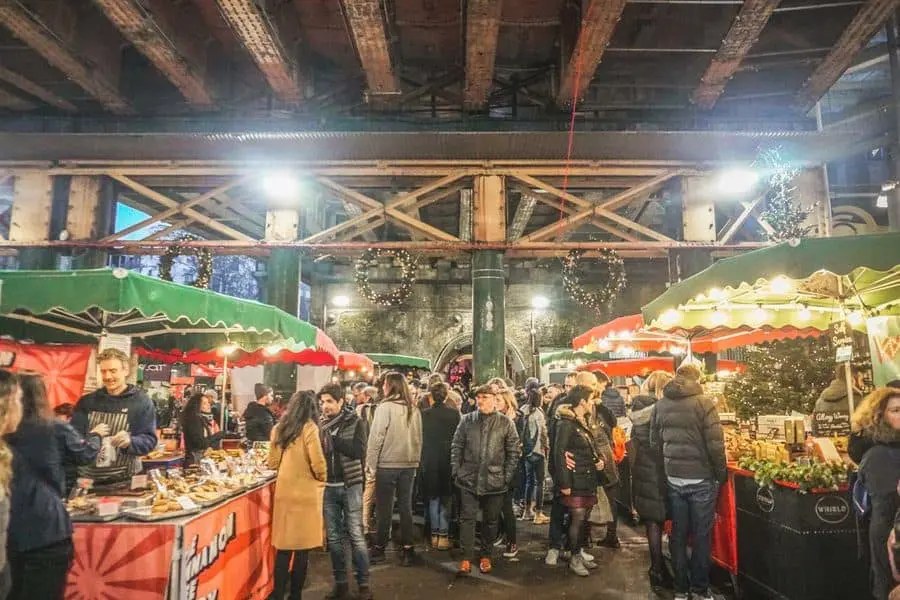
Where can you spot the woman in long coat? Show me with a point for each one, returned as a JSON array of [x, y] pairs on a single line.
[[648, 480], [439, 423], [297, 522]]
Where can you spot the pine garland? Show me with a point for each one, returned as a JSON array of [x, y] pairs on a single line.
[[204, 261]]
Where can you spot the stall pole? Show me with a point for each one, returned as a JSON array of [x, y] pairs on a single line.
[[849, 379], [224, 387]]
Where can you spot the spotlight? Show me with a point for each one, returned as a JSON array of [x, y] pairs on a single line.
[[540, 302], [280, 185], [341, 301], [736, 182]]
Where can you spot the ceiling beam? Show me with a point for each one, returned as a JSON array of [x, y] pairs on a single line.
[[366, 21], [522, 216], [35, 31], [11, 101], [868, 20], [744, 32], [256, 32], [354, 210], [33, 89], [482, 31], [597, 26], [150, 27]]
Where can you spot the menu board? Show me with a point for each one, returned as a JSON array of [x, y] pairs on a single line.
[[831, 424]]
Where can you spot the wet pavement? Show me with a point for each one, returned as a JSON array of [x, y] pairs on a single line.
[[622, 574]]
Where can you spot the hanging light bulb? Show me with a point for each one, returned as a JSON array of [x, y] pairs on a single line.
[[759, 315], [716, 293], [273, 349], [229, 349], [603, 345], [781, 285], [855, 318], [670, 317], [719, 318], [804, 314]]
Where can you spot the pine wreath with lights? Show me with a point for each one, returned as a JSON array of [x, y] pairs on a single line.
[[401, 291], [204, 261], [612, 281]]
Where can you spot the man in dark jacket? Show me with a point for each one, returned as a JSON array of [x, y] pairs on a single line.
[[130, 415], [258, 418], [344, 444], [613, 400], [686, 426], [484, 456]]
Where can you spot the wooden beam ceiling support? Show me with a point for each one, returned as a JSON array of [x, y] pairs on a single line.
[[366, 20], [744, 32], [748, 208], [152, 27], [255, 29], [172, 204], [568, 208], [353, 210], [482, 32], [522, 216], [600, 210], [170, 229], [868, 20], [33, 89], [57, 49], [597, 26], [11, 101]]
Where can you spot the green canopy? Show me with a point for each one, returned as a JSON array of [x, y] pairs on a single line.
[[79, 306], [398, 360], [547, 358], [810, 283]]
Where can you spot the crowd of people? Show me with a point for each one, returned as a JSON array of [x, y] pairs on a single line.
[[344, 463]]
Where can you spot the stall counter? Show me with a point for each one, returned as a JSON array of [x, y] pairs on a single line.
[[222, 552]]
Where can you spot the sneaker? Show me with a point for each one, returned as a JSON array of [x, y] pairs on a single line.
[[465, 567], [485, 566], [443, 542], [341, 591], [703, 596], [541, 519], [576, 565], [527, 515], [434, 540], [552, 557], [499, 542], [511, 551], [565, 555], [365, 593], [376, 555], [586, 557], [681, 597]]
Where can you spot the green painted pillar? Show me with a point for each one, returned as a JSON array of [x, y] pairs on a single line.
[[488, 319], [283, 291]]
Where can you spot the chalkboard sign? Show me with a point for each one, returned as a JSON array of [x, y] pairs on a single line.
[[831, 424]]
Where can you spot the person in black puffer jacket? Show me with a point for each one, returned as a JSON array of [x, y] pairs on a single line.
[[484, 456], [878, 419], [648, 479], [613, 400], [578, 485], [685, 425]]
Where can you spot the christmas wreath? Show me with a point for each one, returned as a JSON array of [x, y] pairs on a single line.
[[611, 282], [400, 291], [204, 262]]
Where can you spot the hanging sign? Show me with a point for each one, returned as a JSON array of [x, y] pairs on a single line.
[[884, 346]]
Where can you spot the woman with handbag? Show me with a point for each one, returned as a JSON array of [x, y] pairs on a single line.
[[297, 521]]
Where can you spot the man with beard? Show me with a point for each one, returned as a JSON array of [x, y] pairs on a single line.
[[344, 442]]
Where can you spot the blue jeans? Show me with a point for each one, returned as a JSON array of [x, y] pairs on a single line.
[[438, 514], [343, 524], [534, 480], [693, 512]]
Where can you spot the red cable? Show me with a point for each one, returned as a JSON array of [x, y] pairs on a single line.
[[571, 144]]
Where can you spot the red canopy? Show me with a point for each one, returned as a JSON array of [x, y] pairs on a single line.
[[350, 361], [644, 366], [628, 332], [324, 354]]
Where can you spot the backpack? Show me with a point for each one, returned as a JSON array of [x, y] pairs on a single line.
[[529, 435]]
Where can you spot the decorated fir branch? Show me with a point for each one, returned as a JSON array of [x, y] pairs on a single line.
[[401, 291], [204, 261], [812, 476], [610, 283], [782, 213]]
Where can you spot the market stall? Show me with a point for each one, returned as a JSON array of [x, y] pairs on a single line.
[[217, 547], [355, 366], [629, 367], [399, 361]]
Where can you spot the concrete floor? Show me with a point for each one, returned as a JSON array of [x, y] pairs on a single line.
[[622, 574]]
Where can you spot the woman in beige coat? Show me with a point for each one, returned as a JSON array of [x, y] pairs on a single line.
[[297, 524]]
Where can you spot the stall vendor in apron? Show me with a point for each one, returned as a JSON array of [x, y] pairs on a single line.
[[131, 417]]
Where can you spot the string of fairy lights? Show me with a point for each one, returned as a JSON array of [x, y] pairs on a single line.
[[607, 285], [400, 291], [204, 261]]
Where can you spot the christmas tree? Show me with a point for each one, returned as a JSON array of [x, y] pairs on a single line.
[[781, 377], [781, 212]]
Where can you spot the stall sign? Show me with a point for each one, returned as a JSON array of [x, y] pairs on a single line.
[[227, 552], [770, 427], [833, 424], [884, 345], [205, 371], [159, 372]]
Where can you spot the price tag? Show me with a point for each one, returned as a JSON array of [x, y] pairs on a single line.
[[186, 503], [843, 354], [139, 482]]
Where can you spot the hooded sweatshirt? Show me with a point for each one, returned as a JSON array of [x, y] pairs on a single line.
[[395, 440], [132, 411], [685, 425]]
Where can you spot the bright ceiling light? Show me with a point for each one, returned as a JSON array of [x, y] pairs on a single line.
[[735, 182], [341, 301], [670, 317], [881, 201], [281, 185], [540, 302], [781, 285], [855, 318]]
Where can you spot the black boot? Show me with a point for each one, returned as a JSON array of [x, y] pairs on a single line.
[[341, 591], [657, 582], [611, 541], [409, 557]]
